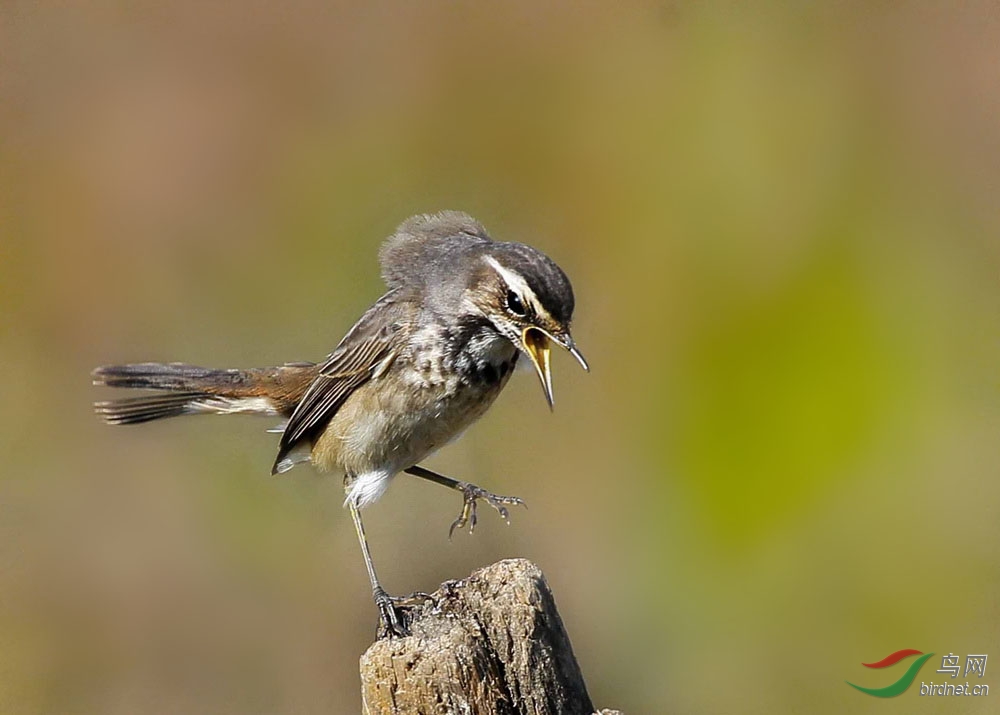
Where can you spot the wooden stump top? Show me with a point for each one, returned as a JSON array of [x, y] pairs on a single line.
[[489, 644]]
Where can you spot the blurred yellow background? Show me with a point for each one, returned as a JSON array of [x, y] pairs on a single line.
[[781, 224]]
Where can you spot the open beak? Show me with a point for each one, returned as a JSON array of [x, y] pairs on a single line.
[[536, 343]]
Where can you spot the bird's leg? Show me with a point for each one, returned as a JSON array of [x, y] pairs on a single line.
[[471, 494], [392, 619]]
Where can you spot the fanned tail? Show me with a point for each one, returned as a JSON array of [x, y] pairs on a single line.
[[198, 390]]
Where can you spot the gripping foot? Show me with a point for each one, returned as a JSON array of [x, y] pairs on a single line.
[[394, 621], [472, 494]]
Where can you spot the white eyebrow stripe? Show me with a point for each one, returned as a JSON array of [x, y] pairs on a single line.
[[516, 283]]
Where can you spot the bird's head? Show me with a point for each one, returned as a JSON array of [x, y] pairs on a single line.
[[529, 300]]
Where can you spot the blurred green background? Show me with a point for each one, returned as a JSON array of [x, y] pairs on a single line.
[[781, 223]]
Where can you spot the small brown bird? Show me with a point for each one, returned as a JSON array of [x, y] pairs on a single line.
[[421, 365]]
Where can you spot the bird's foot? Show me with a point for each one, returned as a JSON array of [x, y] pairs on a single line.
[[394, 621], [473, 494]]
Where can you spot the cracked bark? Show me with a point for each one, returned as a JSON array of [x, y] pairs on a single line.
[[490, 644]]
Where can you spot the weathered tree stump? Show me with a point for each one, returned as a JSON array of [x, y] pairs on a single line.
[[490, 644]]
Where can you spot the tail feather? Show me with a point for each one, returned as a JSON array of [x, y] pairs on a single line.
[[194, 390], [136, 410], [164, 376]]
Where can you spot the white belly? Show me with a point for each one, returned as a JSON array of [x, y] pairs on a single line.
[[391, 424]]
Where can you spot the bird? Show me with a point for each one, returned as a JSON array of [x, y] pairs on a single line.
[[423, 363]]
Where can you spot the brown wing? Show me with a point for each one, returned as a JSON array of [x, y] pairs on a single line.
[[369, 347]]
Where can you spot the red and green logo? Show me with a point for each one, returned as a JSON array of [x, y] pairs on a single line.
[[900, 686]]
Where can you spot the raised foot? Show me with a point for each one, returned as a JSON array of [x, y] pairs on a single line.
[[472, 494], [393, 619]]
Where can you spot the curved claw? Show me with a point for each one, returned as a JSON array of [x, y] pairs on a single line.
[[472, 494], [392, 622]]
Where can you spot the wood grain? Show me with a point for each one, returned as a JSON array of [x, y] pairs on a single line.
[[490, 644]]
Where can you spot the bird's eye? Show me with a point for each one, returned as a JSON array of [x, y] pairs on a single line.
[[514, 304]]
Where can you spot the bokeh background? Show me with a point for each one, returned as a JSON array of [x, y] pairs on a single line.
[[781, 222]]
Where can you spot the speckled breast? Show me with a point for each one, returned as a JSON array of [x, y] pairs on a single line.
[[411, 410]]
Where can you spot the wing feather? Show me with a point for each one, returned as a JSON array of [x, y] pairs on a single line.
[[365, 352]]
